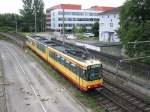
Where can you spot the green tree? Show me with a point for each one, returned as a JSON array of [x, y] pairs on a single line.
[[82, 29], [8, 22], [30, 8], [39, 9], [28, 15], [95, 29], [135, 26], [75, 29]]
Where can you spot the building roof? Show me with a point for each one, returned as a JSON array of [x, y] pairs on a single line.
[[101, 8], [78, 7], [113, 11], [66, 6]]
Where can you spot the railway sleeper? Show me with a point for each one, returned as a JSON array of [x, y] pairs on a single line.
[[147, 109], [128, 91], [128, 97], [111, 104], [105, 102], [118, 104], [107, 105], [113, 108], [105, 108], [126, 101], [140, 104]]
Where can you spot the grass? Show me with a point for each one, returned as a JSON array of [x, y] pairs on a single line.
[[25, 33], [9, 40], [82, 37], [3, 38], [82, 97], [147, 98]]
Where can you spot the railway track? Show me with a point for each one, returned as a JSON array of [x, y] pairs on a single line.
[[118, 99], [115, 97], [3, 105], [124, 97], [109, 104]]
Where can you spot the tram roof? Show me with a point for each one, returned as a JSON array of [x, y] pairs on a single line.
[[72, 52]]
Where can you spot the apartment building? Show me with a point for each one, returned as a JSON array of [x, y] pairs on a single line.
[[109, 24], [74, 16]]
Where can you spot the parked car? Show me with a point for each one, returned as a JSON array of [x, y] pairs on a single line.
[[88, 34], [71, 37]]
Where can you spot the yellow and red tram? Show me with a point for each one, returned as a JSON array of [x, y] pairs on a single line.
[[84, 72]]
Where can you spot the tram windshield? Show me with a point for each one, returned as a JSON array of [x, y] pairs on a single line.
[[95, 72]]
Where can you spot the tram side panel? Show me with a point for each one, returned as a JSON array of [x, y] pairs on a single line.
[[62, 65]]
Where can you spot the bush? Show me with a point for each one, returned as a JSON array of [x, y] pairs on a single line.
[[7, 29]]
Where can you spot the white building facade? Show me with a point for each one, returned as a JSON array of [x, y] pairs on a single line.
[[108, 25], [73, 18]]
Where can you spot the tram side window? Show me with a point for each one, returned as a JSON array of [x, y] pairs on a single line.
[[51, 54], [77, 70], [58, 59], [86, 74], [67, 64], [62, 60], [41, 47], [83, 73], [73, 67]]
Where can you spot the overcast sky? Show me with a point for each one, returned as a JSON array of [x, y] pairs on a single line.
[[13, 6]]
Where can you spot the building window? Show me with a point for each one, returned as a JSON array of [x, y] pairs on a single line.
[[60, 19], [60, 25], [101, 24], [111, 24], [60, 13], [96, 19], [69, 19], [54, 25]]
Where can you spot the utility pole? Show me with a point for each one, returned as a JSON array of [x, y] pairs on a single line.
[[35, 18], [16, 27], [63, 26], [16, 24], [43, 23]]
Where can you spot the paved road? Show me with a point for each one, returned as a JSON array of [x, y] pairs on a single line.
[[2, 88], [31, 88]]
